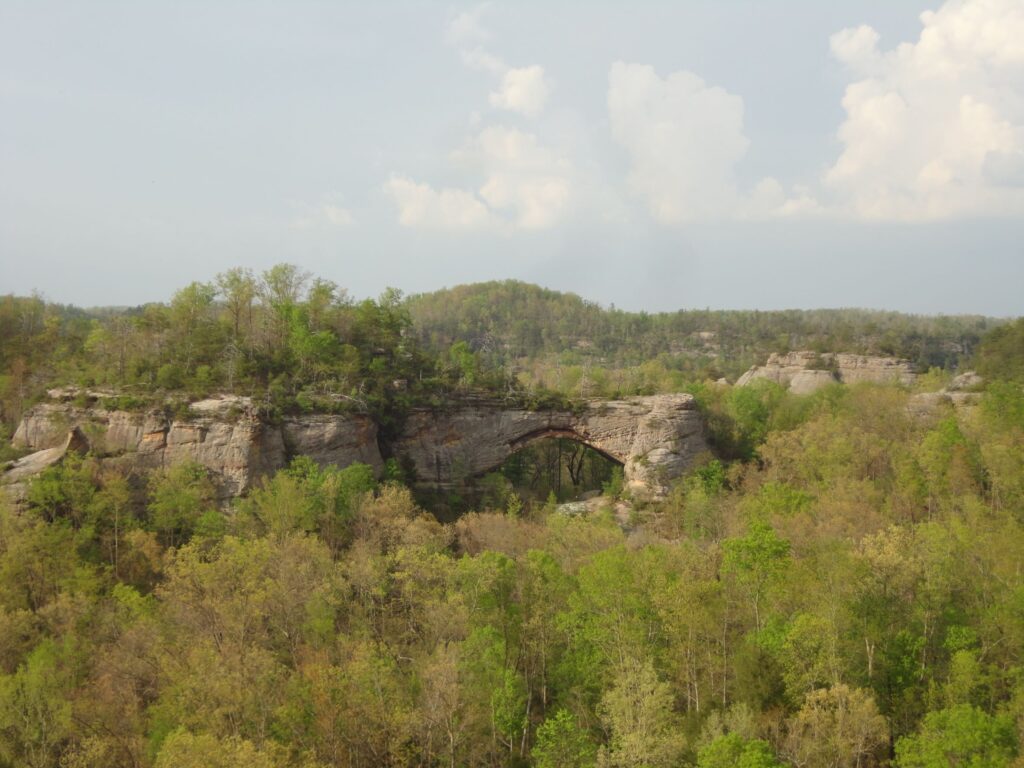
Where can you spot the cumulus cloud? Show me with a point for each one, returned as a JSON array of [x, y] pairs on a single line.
[[522, 90], [683, 138], [935, 128], [524, 180], [525, 187], [420, 206]]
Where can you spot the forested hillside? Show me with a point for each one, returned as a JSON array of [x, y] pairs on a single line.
[[560, 340], [300, 342], [838, 584], [290, 340]]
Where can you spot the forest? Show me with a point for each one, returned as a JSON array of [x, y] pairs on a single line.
[[837, 583]]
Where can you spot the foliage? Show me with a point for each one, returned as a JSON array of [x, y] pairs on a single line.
[[962, 735], [843, 575]]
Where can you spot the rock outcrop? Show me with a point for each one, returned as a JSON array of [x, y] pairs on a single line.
[[806, 372], [230, 439], [654, 438], [961, 393]]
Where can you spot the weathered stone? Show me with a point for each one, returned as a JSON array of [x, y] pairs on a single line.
[[16, 476], [966, 381], [808, 382], [801, 373], [333, 439], [237, 451], [655, 438]]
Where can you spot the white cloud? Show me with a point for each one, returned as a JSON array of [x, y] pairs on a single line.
[[522, 90], [525, 187], [478, 58], [525, 181], [934, 129], [467, 27], [420, 206], [683, 139], [338, 216]]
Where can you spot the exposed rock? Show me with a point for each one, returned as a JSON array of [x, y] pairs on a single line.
[[17, 474], [926, 403], [237, 451], [966, 381], [807, 382], [806, 372], [65, 394], [221, 405], [853, 369], [655, 438], [333, 439]]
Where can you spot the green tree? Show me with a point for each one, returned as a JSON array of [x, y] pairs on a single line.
[[756, 561], [177, 498], [837, 727], [185, 750], [35, 715], [734, 751], [959, 736], [637, 712], [561, 743]]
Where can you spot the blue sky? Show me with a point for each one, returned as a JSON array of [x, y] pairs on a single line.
[[651, 155]]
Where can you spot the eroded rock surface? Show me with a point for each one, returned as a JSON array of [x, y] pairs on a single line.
[[655, 438], [230, 440], [806, 372]]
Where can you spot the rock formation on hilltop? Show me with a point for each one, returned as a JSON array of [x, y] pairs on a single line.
[[806, 372]]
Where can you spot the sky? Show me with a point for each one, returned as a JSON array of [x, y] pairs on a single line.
[[650, 155]]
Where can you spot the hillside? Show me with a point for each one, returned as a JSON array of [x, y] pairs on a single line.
[[835, 582], [558, 339]]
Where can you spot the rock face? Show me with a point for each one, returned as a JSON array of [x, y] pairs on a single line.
[[654, 438], [962, 393], [236, 446], [806, 372]]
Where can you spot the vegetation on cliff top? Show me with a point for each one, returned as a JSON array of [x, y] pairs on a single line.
[[297, 342]]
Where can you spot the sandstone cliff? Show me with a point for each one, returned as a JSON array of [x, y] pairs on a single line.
[[225, 435], [655, 438], [806, 372]]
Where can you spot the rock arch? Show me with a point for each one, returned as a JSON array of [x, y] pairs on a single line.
[[654, 438]]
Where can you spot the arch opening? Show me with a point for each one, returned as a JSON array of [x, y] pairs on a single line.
[[552, 465]]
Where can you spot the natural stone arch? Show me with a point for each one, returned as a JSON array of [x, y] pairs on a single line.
[[654, 438], [556, 434]]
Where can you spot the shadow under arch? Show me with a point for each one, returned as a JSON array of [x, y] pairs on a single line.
[[556, 433], [552, 463]]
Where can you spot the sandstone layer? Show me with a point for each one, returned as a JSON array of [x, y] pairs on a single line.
[[655, 438], [806, 372], [232, 442]]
